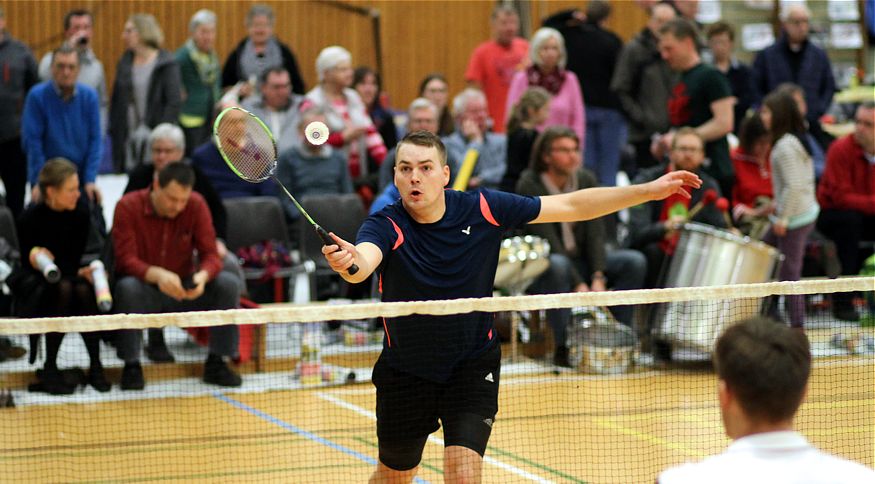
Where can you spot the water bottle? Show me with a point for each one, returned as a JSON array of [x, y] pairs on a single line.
[[101, 286], [47, 266], [310, 366]]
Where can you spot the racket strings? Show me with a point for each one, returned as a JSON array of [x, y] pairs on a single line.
[[247, 145]]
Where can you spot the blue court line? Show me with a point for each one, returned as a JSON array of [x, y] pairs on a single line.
[[302, 432]]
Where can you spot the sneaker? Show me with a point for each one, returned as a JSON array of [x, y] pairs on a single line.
[[157, 352], [217, 372], [132, 377], [98, 380], [560, 357]]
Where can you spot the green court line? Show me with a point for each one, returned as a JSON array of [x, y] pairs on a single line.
[[548, 469], [214, 475], [425, 464]]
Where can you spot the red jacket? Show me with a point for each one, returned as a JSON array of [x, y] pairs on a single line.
[[751, 181], [141, 238], [848, 182]]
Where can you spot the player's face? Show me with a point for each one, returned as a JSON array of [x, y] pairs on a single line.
[[171, 200], [420, 176], [688, 153]]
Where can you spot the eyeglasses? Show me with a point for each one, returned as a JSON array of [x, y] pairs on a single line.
[[687, 149]]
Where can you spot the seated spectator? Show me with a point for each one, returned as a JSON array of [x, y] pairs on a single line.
[[762, 378], [721, 40], [277, 106], [367, 83], [200, 72], [818, 143], [308, 169], [752, 193], [472, 135], [155, 236], [847, 196], [579, 260], [526, 115], [57, 228], [435, 88]]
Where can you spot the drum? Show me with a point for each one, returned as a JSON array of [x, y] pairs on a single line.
[[520, 261], [599, 344], [708, 256]]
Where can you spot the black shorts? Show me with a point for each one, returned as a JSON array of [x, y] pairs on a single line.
[[409, 408]]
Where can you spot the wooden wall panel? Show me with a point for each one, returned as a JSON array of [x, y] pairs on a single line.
[[418, 37]]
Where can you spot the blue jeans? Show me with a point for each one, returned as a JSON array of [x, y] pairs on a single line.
[[605, 137]]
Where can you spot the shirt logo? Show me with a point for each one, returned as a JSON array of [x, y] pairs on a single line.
[[488, 421], [489, 377], [467, 231]]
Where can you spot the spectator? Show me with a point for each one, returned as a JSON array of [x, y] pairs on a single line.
[[762, 371], [20, 67], [529, 112], [62, 120], [155, 235], [701, 99], [146, 91], [472, 135], [643, 82], [721, 40], [57, 227], [308, 169], [578, 259], [594, 52], [793, 58], [258, 51], [277, 106], [199, 68], [367, 83], [548, 71], [752, 194], [434, 87], [817, 149], [78, 33], [494, 63], [847, 196]]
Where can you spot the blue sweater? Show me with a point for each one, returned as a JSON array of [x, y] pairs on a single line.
[[53, 128]]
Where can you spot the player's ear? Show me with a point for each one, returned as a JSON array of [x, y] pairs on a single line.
[[446, 171]]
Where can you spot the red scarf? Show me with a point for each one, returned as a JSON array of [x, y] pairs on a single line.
[[552, 82]]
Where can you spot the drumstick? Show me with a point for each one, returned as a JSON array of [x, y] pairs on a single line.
[[722, 204], [708, 198]]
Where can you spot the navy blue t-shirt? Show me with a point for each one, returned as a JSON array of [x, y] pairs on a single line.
[[452, 258]]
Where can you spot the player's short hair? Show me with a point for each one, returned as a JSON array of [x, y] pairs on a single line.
[[178, 172], [427, 139]]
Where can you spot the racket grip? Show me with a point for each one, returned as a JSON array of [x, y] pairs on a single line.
[[327, 240]]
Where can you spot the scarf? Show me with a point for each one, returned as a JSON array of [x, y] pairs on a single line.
[[252, 64], [567, 228], [552, 82], [207, 66]]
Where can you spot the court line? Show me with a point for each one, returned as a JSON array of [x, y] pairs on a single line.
[[299, 431], [434, 440], [649, 438]]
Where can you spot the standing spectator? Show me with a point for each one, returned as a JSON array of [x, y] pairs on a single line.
[[62, 120], [277, 106], [752, 194], [847, 196], [472, 137], [146, 91], [155, 235], [818, 145], [199, 68], [793, 58], [796, 207], [259, 51], [594, 52], [721, 40], [493, 63], [643, 82], [367, 83], [548, 71], [435, 88], [351, 128], [78, 33], [19, 68], [701, 99], [529, 112]]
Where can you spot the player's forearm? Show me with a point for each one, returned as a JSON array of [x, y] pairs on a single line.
[[591, 203]]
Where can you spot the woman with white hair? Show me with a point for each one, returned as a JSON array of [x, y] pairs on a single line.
[[547, 52], [201, 81], [347, 117]]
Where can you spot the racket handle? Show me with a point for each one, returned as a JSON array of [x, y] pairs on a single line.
[[327, 240]]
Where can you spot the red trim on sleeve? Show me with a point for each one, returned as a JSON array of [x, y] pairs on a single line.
[[400, 239], [487, 213], [386, 329]]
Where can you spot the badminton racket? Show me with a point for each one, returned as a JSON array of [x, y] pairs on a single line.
[[248, 147]]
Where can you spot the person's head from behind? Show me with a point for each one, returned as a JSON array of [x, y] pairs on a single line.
[[59, 184], [797, 93], [421, 170], [367, 83], [78, 27], [505, 24], [259, 23], [660, 14], [141, 29], [780, 115], [276, 88], [435, 88], [202, 28], [762, 369], [753, 137], [65, 67], [687, 150], [470, 105], [167, 144], [677, 44], [532, 109], [721, 39], [547, 50], [556, 151], [334, 67], [597, 11], [422, 115], [171, 189], [312, 114], [795, 18], [864, 126]]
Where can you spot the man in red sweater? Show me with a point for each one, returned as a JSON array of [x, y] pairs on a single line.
[[154, 234], [847, 198]]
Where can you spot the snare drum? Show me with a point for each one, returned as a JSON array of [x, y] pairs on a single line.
[[520, 261], [708, 256], [599, 344]]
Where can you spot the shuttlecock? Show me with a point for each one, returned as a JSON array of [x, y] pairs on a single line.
[[316, 133]]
